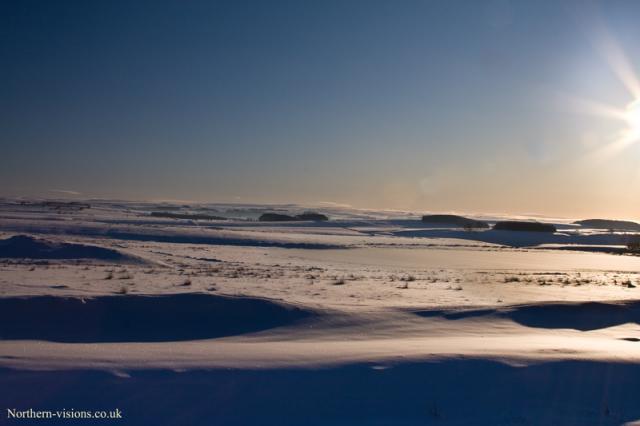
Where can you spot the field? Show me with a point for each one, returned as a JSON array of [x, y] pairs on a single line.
[[369, 318]]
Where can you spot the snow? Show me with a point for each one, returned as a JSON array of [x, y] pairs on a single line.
[[370, 318]]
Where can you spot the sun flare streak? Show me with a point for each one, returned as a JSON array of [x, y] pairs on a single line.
[[591, 107], [632, 117], [626, 137]]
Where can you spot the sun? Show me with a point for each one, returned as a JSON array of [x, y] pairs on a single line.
[[632, 117]]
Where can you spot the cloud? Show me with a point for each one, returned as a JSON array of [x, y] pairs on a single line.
[[333, 204], [65, 191]]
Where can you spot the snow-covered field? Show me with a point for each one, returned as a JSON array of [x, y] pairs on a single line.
[[369, 318]]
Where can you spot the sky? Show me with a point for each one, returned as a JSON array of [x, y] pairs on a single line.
[[490, 106]]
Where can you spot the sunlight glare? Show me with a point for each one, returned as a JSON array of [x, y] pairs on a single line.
[[632, 116]]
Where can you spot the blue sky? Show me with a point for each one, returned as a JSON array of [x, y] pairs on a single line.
[[432, 105]]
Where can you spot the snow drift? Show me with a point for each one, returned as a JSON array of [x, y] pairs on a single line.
[[135, 318], [24, 246]]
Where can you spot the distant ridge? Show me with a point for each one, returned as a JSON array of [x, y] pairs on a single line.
[[619, 225], [512, 225], [192, 216], [454, 221], [279, 217]]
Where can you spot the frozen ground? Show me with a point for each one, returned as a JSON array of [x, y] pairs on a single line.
[[370, 318]]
